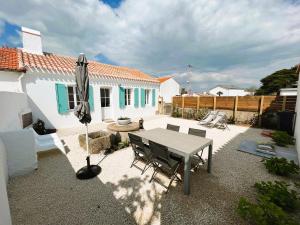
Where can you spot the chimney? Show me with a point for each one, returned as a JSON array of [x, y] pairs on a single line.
[[32, 41]]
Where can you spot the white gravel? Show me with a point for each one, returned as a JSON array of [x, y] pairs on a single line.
[[120, 195]]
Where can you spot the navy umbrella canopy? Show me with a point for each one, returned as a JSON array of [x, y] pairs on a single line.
[[82, 110]]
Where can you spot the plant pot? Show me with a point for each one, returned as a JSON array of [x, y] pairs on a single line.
[[123, 122]]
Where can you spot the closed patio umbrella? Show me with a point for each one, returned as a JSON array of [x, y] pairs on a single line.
[[82, 111]]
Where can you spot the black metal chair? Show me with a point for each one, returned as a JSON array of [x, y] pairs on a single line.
[[141, 151], [173, 127], [199, 133], [162, 161]]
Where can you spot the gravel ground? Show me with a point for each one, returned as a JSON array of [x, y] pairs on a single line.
[[120, 195]]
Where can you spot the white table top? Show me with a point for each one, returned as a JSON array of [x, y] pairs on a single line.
[[181, 143]]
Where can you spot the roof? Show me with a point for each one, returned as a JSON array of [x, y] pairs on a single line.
[[163, 79], [228, 87], [9, 59], [65, 64]]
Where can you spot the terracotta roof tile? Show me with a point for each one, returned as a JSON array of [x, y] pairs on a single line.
[[16, 59], [9, 59], [67, 64], [163, 79]]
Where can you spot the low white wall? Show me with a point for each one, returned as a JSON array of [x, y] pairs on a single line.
[[12, 104], [21, 151], [41, 92], [5, 218], [9, 81], [228, 92]]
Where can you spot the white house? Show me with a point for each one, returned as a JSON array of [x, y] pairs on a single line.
[[228, 90], [49, 82], [168, 88]]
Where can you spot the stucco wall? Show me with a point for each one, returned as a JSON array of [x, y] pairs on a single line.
[[21, 151], [168, 89], [9, 81], [227, 92], [5, 218], [40, 88], [13, 104]]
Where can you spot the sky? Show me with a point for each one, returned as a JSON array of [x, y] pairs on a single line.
[[224, 42]]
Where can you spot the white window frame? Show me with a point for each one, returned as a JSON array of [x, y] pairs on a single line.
[[147, 96], [75, 97], [128, 97]]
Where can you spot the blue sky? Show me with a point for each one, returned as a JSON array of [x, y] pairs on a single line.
[[226, 42]]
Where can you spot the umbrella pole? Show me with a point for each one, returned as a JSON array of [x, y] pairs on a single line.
[[89, 171], [87, 145]]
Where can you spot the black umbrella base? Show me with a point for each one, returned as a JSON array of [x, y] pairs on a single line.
[[88, 172]]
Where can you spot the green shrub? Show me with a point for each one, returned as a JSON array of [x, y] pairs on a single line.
[[282, 138], [279, 194], [263, 213], [176, 113], [201, 113], [281, 166], [123, 144]]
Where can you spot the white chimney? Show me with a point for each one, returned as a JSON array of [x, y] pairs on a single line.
[[32, 41]]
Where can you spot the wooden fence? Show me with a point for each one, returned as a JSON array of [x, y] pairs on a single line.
[[259, 104]]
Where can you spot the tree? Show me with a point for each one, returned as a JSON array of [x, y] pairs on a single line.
[[183, 91], [280, 79], [219, 93]]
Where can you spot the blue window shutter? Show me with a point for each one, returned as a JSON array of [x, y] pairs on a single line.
[[136, 97], [91, 98], [121, 97], [142, 97], [61, 98], [153, 97]]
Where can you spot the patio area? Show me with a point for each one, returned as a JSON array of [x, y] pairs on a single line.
[[121, 195]]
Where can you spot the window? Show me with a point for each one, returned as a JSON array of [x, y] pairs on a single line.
[[104, 97], [127, 96], [147, 97], [72, 97]]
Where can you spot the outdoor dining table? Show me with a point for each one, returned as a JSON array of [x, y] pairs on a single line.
[[181, 144]]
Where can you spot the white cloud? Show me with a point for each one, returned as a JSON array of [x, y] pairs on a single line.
[[235, 42]]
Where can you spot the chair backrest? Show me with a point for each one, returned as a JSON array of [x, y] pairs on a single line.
[[159, 151], [220, 116], [197, 132], [210, 116], [173, 127], [135, 141]]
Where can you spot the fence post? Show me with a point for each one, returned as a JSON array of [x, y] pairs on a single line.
[[198, 103], [215, 101], [261, 105], [283, 103], [235, 106], [182, 105]]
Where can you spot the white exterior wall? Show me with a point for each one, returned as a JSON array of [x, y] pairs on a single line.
[[5, 218], [40, 88], [288, 92], [21, 151], [228, 92], [169, 89], [14, 104], [9, 81], [297, 127]]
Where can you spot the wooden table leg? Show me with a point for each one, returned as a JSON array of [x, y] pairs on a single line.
[[209, 159], [187, 168]]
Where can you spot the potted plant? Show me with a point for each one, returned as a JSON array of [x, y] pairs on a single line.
[[123, 120]]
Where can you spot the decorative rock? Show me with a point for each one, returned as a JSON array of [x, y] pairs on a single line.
[[98, 141]]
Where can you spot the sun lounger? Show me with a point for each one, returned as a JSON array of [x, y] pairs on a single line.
[[220, 121], [208, 118]]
